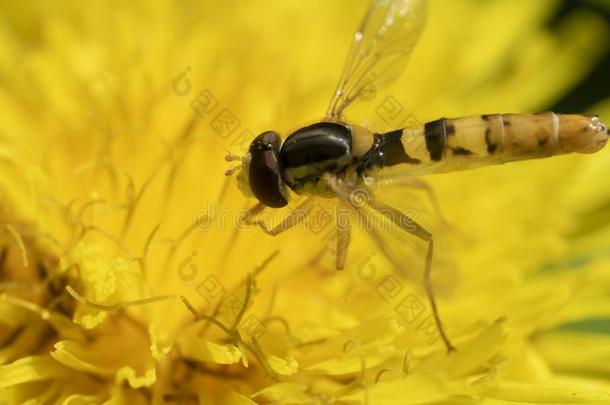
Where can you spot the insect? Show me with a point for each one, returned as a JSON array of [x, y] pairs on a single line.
[[337, 159]]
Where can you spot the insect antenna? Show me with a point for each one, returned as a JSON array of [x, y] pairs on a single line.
[[230, 157], [232, 170]]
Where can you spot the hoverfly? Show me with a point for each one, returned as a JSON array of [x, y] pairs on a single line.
[[337, 159]]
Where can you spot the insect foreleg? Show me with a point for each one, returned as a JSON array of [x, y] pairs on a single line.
[[343, 226], [292, 219]]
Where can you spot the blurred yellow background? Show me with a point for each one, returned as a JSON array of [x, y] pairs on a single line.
[[115, 120]]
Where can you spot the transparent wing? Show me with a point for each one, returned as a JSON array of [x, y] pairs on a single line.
[[379, 53], [405, 251]]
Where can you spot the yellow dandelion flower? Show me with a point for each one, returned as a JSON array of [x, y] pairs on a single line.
[[127, 274]]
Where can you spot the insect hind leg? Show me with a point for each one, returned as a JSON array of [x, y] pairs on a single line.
[[409, 225], [430, 293], [346, 192]]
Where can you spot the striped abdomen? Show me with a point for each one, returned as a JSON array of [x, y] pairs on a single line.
[[462, 143]]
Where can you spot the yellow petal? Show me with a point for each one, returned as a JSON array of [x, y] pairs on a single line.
[[73, 355], [290, 393], [558, 348], [412, 389], [235, 398], [136, 381], [561, 391], [204, 350], [476, 352], [283, 366], [30, 369]]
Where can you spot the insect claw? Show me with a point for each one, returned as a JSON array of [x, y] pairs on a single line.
[[233, 158]]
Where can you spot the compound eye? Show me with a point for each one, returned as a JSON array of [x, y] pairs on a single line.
[[265, 175]]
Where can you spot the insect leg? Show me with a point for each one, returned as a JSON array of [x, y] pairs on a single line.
[[409, 225], [430, 293], [293, 218], [343, 225], [247, 218], [344, 191], [425, 187]]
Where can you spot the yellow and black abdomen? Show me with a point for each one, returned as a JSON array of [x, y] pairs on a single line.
[[451, 144], [520, 136]]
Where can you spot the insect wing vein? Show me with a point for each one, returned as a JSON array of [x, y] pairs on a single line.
[[380, 50]]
